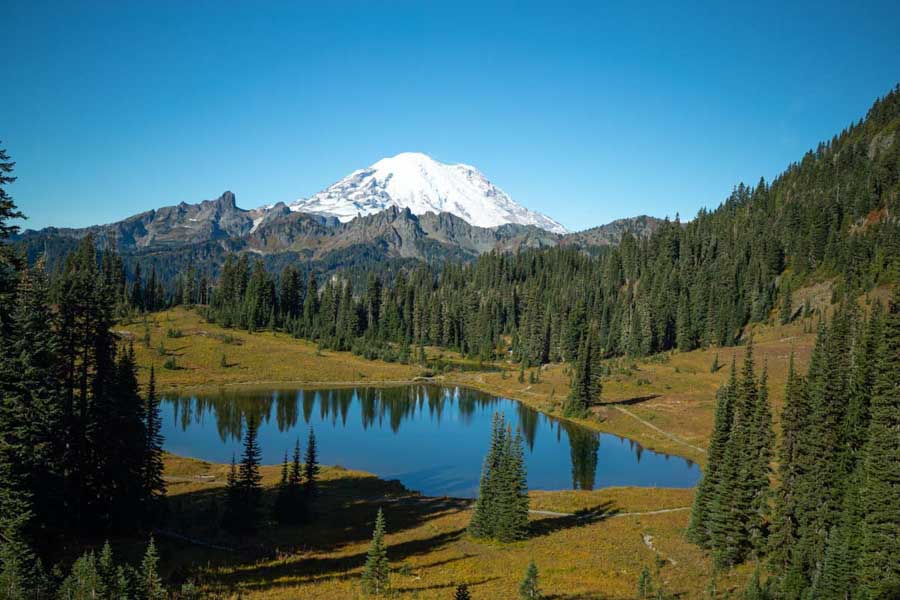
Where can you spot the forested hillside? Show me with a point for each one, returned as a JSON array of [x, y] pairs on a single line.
[[833, 215]]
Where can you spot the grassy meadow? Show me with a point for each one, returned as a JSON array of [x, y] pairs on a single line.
[[598, 553], [665, 402]]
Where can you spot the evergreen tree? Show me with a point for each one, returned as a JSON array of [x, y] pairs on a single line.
[[84, 582], [586, 383], [484, 523], [528, 589], [151, 586], [787, 309], [244, 490], [30, 419], [462, 592], [376, 573], [311, 468], [879, 559], [154, 484], [281, 510], [512, 496], [793, 424], [701, 512]]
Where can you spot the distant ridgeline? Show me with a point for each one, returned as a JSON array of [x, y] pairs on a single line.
[[833, 215]]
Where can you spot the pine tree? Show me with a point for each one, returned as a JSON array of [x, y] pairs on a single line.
[[281, 510], [879, 559], [30, 419], [586, 383], [758, 469], [701, 513], [311, 468], [462, 592], [787, 309], [528, 589], [793, 424], [84, 580], [243, 490], [151, 586], [154, 484], [484, 522], [376, 573], [513, 502], [108, 573], [732, 504]]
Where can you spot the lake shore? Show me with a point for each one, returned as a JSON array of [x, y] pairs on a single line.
[[265, 359]]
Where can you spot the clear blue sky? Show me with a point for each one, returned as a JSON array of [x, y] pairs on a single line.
[[585, 111]]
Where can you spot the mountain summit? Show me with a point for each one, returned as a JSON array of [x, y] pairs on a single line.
[[418, 182]]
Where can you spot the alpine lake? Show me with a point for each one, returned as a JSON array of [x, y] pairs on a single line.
[[431, 438]]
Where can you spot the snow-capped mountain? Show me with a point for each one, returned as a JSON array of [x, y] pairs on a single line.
[[418, 182]]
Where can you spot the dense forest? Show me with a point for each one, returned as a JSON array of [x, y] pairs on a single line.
[[828, 528], [833, 215]]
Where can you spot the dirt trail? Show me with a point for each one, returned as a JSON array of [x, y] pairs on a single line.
[[671, 436], [660, 511]]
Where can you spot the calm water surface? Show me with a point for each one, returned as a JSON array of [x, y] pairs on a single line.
[[432, 438]]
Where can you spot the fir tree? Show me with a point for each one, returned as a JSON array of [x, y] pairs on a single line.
[[282, 508], [311, 468], [793, 424], [151, 586], [462, 592], [244, 491], [154, 484], [701, 512], [84, 580], [879, 559], [787, 309], [376, 573], [528, 589], [483, 523]]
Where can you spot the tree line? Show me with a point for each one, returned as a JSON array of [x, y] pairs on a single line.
[[686, 286], [66, 382]]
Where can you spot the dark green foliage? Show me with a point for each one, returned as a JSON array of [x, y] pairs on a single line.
[[74, 447], [462, 592], [586, 382], [699, 527], [8, 209], [686, 285], [281, 509], [501, 509], [311, 468], [836, 520], [376, 573], [879, 558], [154, 485], [529, 589], [244, 490], [786, 313], [644, 584], [730, 508], [150, 586]]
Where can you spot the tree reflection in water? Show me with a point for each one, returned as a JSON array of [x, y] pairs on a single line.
[[423, 406]]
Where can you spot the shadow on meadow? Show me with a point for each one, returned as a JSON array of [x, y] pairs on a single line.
[[549, 525], [630, 401]]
